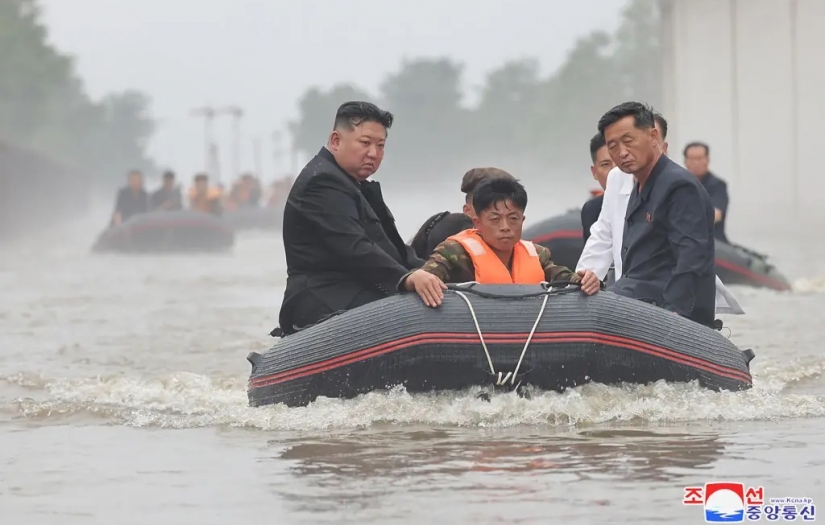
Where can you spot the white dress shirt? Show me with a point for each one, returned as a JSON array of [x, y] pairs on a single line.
[[604, 246]]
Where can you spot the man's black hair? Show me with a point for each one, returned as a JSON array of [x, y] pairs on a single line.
[[494, 190], [170, 175], [643, 116], [697, 145], [662, 124], [596, 143], [352, 114]]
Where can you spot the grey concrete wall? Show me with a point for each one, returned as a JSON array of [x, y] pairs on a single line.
[[746, 76]]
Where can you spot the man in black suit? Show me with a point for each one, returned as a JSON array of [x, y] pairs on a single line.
[[697, 160], [342, 246], [602, 164], [668, 245]]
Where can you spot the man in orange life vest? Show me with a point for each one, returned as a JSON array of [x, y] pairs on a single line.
[[493, 252]]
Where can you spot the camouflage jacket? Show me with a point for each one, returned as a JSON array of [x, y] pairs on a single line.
[[451, 263]]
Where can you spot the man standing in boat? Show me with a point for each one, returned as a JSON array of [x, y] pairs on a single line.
[[342, 247], [444, 224], [493, 252], [668, 244], [697, 159]]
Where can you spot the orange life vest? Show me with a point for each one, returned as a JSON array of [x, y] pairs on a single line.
[[489, 269]]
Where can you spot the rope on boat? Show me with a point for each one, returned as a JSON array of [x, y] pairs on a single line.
[[501, 380]]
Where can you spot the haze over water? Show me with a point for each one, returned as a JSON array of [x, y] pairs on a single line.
[[123, 400], [123, 378]]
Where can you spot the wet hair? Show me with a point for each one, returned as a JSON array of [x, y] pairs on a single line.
[[660, 120], [643, 116], [201, 176], [491, 191], [350, 115], [132, 173], [697, 145], [596, 143], [168, 175], [475, 176]]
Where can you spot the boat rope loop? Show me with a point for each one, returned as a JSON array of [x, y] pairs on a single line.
[[501, 379]]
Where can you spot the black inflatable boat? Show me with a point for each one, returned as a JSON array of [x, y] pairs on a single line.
[[255, 218], [501, 335], [734, 264], [168, 232]]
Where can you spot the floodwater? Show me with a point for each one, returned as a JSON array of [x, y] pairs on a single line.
[[122, 400]]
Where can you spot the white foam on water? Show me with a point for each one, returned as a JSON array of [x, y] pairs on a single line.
[[186, 400]]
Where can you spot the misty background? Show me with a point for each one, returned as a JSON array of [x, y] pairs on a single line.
[[90, 89]]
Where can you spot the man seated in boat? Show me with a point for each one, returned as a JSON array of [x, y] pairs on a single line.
[[342, 246], [493, 252], [603, 245], [245, 193], [602, 164], [168, 196], [131, 200], [440, 226], [667, 245], [204, 198]]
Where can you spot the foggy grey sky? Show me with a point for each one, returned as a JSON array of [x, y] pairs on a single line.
[[262, 54]]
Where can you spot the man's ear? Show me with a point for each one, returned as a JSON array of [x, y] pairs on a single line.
[[593, 172], [334, 139], [476, 222], [466, 210]]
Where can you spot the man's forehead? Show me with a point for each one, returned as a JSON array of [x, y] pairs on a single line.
[[371, 130], [503, 206]]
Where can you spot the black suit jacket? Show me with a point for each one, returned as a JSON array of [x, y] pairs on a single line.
[[668, 247], [436, 230], [342, 246], [590, 214]]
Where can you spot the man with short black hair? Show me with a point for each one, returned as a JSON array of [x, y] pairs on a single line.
[[493, 252], [442, 225], [342, 247], [602, 164], [168, 196], [668, 244], [697, 159], [131, 200]]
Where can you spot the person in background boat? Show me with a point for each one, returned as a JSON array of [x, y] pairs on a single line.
[[168, 196], [493, 252], [697, 159], [342, 247], [131, 200], [245, 193], [440, 226], [602, 164], [204, 198], [668, 244]]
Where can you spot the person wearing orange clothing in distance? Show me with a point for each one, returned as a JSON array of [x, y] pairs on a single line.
[[493, 252]]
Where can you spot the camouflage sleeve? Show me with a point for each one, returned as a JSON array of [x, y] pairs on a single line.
[[552, 271], [449, 262]]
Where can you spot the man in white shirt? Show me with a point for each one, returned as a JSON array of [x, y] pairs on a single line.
[[604, 246]]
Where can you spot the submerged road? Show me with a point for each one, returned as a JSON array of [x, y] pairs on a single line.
[[123, 400]]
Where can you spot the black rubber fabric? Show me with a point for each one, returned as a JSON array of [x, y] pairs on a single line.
[[603, 338], [168, 231]]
